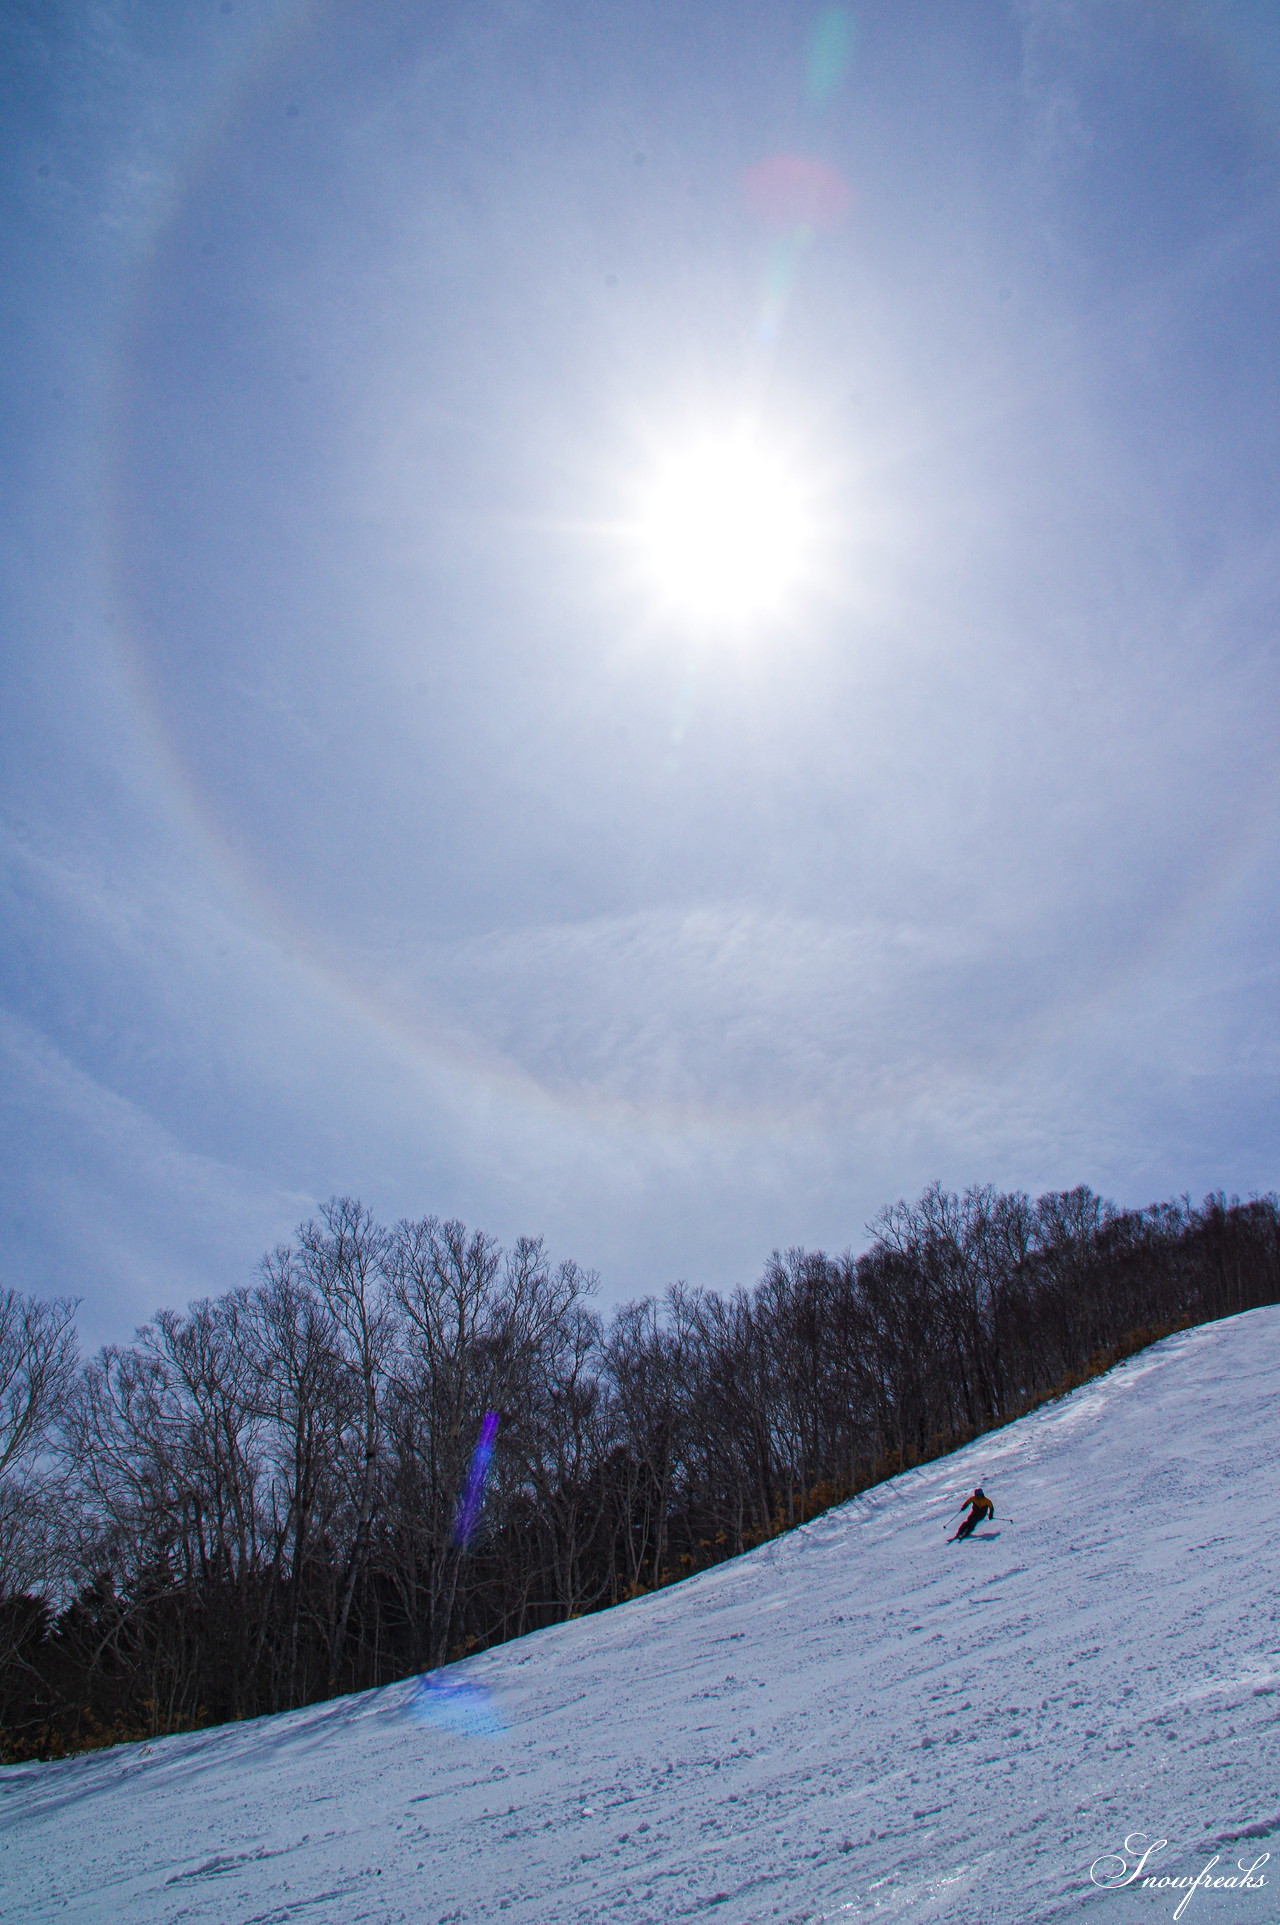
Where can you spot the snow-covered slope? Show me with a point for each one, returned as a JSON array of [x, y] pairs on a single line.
[[855, 1721]]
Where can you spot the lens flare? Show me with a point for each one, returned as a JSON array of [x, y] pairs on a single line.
[[831, 46], [473, 1495], [723, 531], [456, 1704], [794, 192]]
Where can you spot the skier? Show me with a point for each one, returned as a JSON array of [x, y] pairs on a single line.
[[980, 1509]]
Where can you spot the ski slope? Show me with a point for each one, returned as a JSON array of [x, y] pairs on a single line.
[[856, 1721]]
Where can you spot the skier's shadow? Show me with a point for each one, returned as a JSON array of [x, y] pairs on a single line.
[[986, 1537]]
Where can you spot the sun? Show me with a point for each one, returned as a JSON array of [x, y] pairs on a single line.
[[723, 531]]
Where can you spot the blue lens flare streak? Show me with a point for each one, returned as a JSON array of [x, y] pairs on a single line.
[[473, 1496]]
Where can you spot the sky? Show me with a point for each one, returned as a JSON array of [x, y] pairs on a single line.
[[651, 625]]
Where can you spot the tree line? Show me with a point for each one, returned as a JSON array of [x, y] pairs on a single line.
[[276, 1495]]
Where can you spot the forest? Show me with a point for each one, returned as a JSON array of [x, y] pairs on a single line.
[[398, 1445]]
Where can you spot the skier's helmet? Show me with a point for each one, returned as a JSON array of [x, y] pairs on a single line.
[[979, 1492]]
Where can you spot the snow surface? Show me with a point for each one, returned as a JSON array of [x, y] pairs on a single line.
[[854, 1721]]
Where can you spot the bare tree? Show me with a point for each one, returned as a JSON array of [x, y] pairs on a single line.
[[38, 1361], [37, 1364], [342, 1256], [309, 1402], [477, 1326]]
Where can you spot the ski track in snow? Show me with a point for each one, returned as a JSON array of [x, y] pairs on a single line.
[[856, 1721]]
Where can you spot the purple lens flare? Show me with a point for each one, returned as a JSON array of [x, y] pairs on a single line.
[[473, 1495]]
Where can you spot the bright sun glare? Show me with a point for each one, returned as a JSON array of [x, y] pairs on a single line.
[[723, 531]]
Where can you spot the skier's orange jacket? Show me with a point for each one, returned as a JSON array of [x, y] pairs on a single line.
[[982, 1507]]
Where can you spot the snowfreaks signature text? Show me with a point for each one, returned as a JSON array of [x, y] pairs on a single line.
[[1133, 1867]]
